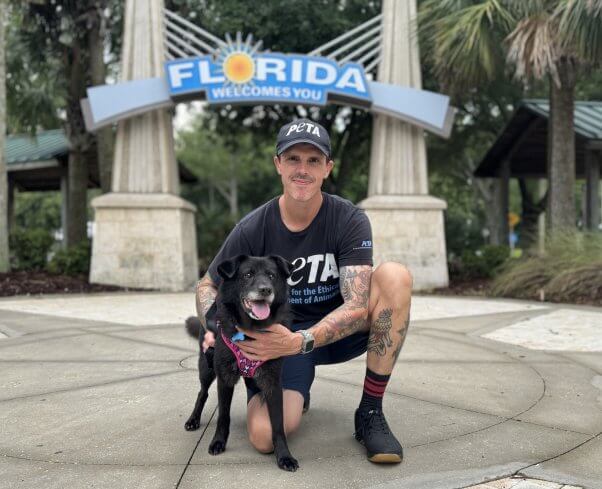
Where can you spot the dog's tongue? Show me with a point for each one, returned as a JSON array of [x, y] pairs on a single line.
[[260, 309]]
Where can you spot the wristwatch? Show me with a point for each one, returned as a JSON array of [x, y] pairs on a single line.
[[308, 341]]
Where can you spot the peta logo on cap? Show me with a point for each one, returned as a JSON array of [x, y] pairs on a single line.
[[303, 131], [304, 127]]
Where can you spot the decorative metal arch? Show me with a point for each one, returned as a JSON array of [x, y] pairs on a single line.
[[184, 40]]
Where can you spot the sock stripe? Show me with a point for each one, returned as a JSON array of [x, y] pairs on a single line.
[[373, 393], [374, 390], [377, 382], [375, 387]]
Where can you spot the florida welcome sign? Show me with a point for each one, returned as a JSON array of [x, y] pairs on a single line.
[[238, 74]]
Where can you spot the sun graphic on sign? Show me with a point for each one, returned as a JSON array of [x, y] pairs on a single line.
[[236, 59]]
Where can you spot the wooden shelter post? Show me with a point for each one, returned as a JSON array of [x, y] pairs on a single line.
[[592, 189]]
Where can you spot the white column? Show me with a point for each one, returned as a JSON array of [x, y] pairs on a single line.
[[145, 234], [407, 223], [398, 159], [144, 148]]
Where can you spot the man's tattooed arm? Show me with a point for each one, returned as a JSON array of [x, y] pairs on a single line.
[[206, 291], [352, 315]]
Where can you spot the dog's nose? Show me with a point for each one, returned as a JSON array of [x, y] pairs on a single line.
[[265, 291]]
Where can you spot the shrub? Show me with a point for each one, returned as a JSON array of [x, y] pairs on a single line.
[[74, 260], [570, 270], [482, 263], [30, 248]]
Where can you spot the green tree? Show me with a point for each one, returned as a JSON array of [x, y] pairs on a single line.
[[272, 23], [72, 33], [471, 42]]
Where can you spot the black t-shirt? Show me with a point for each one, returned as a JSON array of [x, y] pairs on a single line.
[[340, 235]]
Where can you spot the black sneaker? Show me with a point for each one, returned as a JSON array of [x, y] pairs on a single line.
[[372, 431]]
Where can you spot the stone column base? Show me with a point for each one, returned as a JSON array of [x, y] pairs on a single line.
[[409, 229], [144, 241]]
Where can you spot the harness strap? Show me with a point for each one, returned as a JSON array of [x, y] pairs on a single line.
[[246, 366]]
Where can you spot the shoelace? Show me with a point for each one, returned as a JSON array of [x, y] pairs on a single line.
[[377, 421]]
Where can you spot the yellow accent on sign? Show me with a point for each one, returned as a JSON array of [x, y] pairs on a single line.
[[239, 67], [513, 219]]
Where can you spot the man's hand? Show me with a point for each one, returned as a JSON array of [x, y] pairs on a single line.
[[274, 341], [208, 340]]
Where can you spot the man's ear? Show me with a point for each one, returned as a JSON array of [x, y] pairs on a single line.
[[277, 163], [329, 166], [228, 268], [284, 266]]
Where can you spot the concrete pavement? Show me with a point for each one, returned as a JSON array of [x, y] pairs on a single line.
[[95, 389]]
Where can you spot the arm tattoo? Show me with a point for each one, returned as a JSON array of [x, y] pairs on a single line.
[[206, 291], [351, 316]]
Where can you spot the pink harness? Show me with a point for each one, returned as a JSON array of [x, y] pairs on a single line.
[[246, 366]]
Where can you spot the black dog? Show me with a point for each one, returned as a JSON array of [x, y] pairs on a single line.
[[252, 295]]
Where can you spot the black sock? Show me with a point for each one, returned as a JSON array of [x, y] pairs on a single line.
[[374, 390]]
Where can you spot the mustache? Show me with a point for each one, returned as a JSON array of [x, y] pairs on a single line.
[[305, 178]]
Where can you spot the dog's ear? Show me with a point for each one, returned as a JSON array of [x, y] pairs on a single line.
[[228, 268], [285, 266]]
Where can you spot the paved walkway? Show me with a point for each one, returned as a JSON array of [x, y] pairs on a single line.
[[95, 389]]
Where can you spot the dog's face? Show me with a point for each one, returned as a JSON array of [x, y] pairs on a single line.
[[258, 284]]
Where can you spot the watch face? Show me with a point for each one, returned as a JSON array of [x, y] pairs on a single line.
[[309, 346]]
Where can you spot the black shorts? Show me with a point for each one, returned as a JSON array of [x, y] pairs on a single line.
[[298, 371]]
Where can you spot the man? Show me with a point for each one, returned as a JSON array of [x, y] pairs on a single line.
[[341, 307]]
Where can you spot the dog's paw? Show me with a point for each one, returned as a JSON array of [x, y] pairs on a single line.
[[288, 463], [192, 424], [217, 447]]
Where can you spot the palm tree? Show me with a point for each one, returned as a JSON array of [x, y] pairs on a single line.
[[471, 42], [4, 263]]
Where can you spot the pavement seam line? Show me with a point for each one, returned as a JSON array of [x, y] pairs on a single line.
[[31, 360], [141, 342], [579, 363], [519, 471], [35, 340], [91, 386], [196, 446]]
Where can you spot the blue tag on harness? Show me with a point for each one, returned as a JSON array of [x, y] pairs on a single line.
[[238, 337]]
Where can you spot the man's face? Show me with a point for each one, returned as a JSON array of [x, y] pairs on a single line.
[[303, 168]]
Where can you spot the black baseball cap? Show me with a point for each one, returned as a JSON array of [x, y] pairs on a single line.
[[303, 131]]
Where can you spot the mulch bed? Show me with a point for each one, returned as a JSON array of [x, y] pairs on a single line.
[[479, 287], [31, 283]]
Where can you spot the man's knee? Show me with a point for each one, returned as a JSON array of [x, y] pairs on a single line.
[[394, 277], [259, 426], [260, 434]]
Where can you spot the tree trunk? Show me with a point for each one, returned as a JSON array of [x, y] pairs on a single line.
[[4, 259], [529, 214], [98, 72], [234, 197], [80, 140], [77, 208], [562, 213]]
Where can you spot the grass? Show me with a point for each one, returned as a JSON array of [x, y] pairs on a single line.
[[570, 270]]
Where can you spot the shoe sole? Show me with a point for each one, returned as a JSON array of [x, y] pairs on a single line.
[[382, 458], [385, 458]]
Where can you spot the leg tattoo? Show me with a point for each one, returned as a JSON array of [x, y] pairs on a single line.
[[380, 333], [402, 334]]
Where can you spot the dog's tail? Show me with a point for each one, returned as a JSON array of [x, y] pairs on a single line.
[[194, 327]]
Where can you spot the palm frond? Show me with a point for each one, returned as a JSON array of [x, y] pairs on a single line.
[[580, 27], [533, 47], [465, 39]]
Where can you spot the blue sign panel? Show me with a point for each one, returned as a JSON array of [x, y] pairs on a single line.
[[267, 77], [237, 73]]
